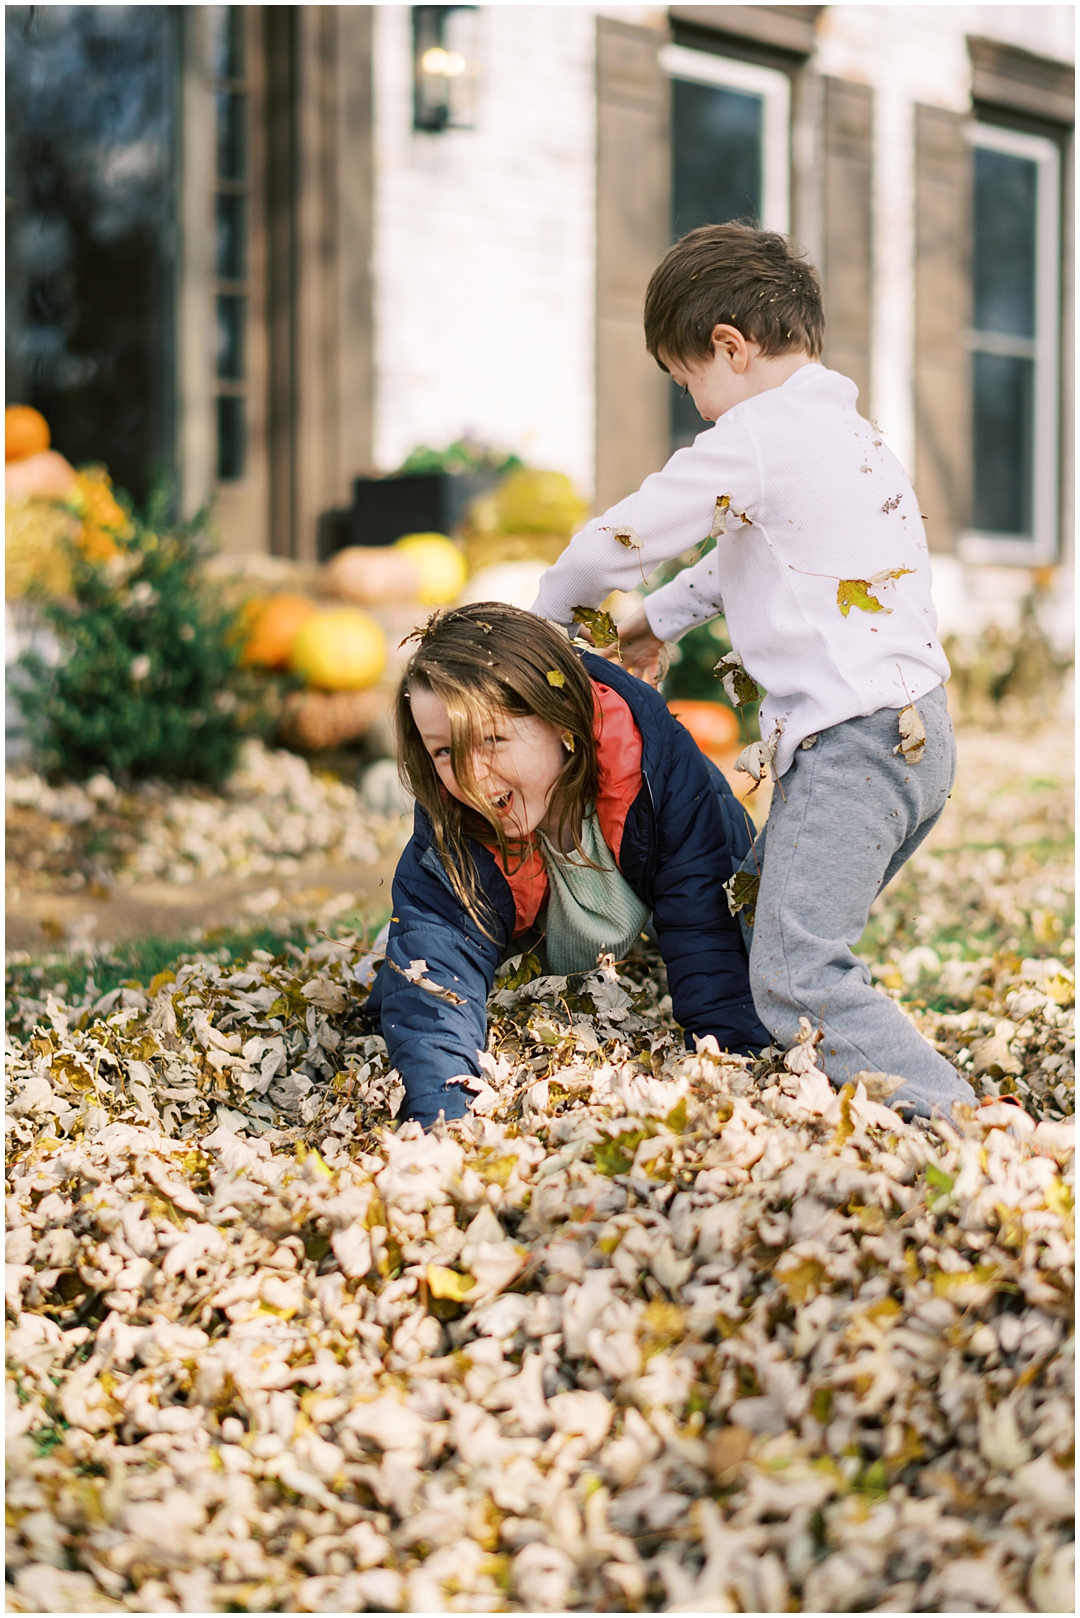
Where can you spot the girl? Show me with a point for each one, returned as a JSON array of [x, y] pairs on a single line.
[[557, 802]]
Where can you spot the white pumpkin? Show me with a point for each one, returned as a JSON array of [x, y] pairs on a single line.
[[516, 583], [374, 575]]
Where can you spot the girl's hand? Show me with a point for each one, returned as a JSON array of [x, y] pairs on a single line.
[[642, 653]]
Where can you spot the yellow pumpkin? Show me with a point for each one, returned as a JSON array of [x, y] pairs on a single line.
[[373, 575], [26, 432], [531, 501], [270, 627], [438, 562], [37, 558], [342, 649]]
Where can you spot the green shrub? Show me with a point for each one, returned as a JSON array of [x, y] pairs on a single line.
[[1014, 673], [147, 683]]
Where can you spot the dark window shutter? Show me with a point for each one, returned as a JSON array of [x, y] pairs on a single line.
[[632, 229], [846, 269], [1004, 76], [942, 316]]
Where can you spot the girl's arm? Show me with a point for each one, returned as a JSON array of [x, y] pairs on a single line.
[[430, 1039]]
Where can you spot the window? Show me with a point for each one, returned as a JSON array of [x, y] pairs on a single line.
[[232, 201], [92, 115], [444, 67], [1014, 348], [730, 158]]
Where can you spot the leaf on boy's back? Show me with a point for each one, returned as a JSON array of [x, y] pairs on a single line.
[[555, 678], [741, 687], [859, 592], [912, 743], [601, 625], [726, 518]]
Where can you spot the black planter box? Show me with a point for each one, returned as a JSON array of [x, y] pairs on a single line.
[[383, 509]]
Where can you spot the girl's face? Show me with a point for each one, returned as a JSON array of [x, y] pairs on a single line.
[[515, 766]]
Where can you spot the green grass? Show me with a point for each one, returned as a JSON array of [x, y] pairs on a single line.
[[139, 959]]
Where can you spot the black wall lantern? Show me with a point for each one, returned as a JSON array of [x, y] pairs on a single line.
[[444, 67]]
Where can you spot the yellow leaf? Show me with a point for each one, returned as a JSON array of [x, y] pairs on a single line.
[[444, 1283], [555, 678], [601, 625], [859, 592], [1060, 988], [801, 1278]]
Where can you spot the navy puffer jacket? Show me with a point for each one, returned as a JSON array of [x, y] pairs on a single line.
[[683, 836]]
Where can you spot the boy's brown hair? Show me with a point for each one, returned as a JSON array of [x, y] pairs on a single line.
[[733, 275]]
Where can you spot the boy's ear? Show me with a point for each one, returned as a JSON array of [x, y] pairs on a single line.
[[728, 340]]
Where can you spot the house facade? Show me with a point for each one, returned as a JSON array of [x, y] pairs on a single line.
[[255, 252]]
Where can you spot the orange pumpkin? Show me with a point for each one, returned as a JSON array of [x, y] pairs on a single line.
[[26, 432], [270, 628], [714, 727]]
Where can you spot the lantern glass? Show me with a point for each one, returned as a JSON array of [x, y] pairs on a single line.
[[444, 67]]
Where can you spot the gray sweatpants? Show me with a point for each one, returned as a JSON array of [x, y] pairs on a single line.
[[849, 814]]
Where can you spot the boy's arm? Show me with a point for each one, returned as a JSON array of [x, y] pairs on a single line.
[[692, 597], [672, 511]]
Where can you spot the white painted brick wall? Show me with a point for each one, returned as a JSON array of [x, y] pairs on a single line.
[[485, 246], [485, 239]]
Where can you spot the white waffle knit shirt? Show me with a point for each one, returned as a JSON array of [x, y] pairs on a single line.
[[827, 501]]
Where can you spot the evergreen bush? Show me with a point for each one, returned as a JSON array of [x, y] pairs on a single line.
[[147, 684]]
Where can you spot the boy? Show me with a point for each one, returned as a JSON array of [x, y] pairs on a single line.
[[821, 570]]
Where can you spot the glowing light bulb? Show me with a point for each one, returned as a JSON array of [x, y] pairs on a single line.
[[435, 60]]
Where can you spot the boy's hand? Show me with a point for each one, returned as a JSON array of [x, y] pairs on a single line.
[[642, 653]]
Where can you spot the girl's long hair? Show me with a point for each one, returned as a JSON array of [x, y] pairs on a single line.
[[482, 660]]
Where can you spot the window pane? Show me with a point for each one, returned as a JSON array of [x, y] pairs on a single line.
[[1003, 427], [231, 136], [230, 338], [1004, 242], [716, 148], [227, 42], [231, 255], [90, 240], [230, 438]]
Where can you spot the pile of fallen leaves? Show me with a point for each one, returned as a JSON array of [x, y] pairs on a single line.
[[273, 812], [649, 1331]]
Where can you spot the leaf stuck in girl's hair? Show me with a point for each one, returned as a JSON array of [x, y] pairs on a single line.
[[555, 678]]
